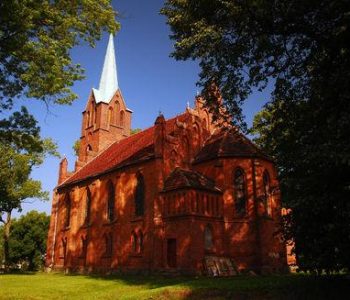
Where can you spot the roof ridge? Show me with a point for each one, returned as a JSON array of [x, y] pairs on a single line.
[[103, 151], [133, 137]]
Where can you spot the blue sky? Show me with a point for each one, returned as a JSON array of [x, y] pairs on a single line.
[[150, 81]]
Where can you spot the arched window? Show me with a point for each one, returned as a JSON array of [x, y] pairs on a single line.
[[67, 204], [117, 112], [63, 252], [88, 119], [88, 149], [240, 192], [95, 115], [110, 116], [140, 246], [84, 244], [266, 183], [140, 196], [122, 117], [208, 237], [88, 207], [108, 245], [134, 242], [111, 201]]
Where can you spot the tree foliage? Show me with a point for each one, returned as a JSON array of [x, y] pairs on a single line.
[[240, 45], [35, 42], [28, 240], [76, 147], [19, 154], [302, 49]]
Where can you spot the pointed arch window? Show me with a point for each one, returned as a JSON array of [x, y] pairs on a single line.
[[110, 116], [208, 237], [95, 115], [140, 239], [240, 193], [108, 239], [134, 242], [84, 245], [111, 202], [88, 207], [122, 118], [88, 119], [140, 196], [67, 205], [63, 249], [266, 199]]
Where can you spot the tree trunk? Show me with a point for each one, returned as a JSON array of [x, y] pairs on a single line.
[[7, 227]]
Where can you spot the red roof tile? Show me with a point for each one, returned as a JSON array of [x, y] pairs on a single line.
[[180, 178], [133, 149], [228, 143]]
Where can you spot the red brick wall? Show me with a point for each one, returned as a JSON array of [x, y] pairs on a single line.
[[251, 240]]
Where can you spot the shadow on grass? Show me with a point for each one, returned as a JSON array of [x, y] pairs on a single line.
[[239, 287]]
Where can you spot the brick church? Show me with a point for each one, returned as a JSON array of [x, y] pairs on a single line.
[[183, 195]]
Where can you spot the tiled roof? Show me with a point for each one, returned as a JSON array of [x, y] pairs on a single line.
[[133, 149], [180, 178], [228, 143]]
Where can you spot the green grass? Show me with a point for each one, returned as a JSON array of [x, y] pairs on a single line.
[[59, 286]]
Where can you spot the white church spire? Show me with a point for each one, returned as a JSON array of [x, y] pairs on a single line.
[[109, 79]]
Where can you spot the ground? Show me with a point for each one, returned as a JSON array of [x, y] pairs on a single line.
[[59, 286]]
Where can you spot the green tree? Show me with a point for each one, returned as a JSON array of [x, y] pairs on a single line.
[[302, 49], [17, 159], [28, 239], [36, 38], [135, 130], [76, 147]]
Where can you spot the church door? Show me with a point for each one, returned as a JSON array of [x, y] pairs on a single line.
[[171, 253]]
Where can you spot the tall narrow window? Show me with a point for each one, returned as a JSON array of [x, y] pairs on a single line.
[[108, 245], [134, 242], [110, 116], [64, 247], [140, 246], [111, 202], [117, 112], [240, 193], [88, 149], [67, 204], [122, 117], [266, 183], [88, 119], [84, 244], [139, 196], [88, 207], [95, 115], [208, 237]]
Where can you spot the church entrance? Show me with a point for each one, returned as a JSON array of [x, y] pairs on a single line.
[[171, 253]]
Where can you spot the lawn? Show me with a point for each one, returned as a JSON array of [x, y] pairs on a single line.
[[59, 286]]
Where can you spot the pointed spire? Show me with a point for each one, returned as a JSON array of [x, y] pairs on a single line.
[[109, 79]]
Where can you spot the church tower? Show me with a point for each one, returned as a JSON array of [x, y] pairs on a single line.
[[106, 119]]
